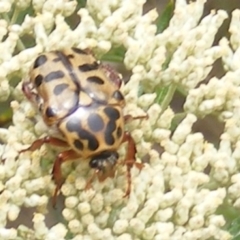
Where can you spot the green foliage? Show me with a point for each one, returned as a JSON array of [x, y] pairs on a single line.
[[114, 55], [234, 229], [5, 114], [164, 19], [81, 3], [161, 93]]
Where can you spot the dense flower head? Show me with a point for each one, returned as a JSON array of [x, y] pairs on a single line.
[[185, 178]]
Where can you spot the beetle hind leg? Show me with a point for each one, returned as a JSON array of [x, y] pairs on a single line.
[[61, 157], [130, 160]]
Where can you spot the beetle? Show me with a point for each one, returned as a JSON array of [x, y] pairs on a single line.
[[81, 99]]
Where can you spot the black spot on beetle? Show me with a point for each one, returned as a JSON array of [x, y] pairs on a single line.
[[54, 75], [79, 51], [92, 141], [60, 88], [78, 144], [109, 139], [57, 59], [42, 59], [95, 122], [49, 112], [38, 80], [64, 59], [108, 134], [112, 113], [69, 56], [96, 80], [119, 132], [118, 95], [93, 144], [88, 67], [40, 108], [73, 125]]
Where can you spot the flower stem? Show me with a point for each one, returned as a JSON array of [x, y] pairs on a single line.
[[14, 16], [168, 97], [20, 45], [5, 17]]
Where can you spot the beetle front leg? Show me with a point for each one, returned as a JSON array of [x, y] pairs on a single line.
[[130, 160], [31, 96], [27, 91], [49, 140]]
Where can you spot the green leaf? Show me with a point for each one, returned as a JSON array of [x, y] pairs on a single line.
[[5, 114], [234, 229], [161, 93], [165, 96], [81, 3], [177, 120], [114, 55], [164, 19]]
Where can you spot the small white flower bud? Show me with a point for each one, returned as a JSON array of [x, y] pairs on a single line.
[[87, 219], [10, 233], [137, 226], [84, 208], [69, 214], [75, 226], [39, 225], [58, 231], [149, 232], [120, 226], [124, 236], [13, 212], [71, 202]]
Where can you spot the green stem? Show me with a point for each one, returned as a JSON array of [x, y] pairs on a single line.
[[183, 91], [20, 45], [6, 17], [180, 116], [112, 58], [168, 97], [14, 16]]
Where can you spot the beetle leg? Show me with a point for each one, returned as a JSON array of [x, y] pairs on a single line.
[[128, 118], [26, 90], [130, 160], [49, 140], [31, 96], [57, 172], [89, 181], [61, 157], [100, 175], [104, 175]]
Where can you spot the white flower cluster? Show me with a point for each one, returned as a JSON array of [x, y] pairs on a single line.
[[221, 96], [176, 195]]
